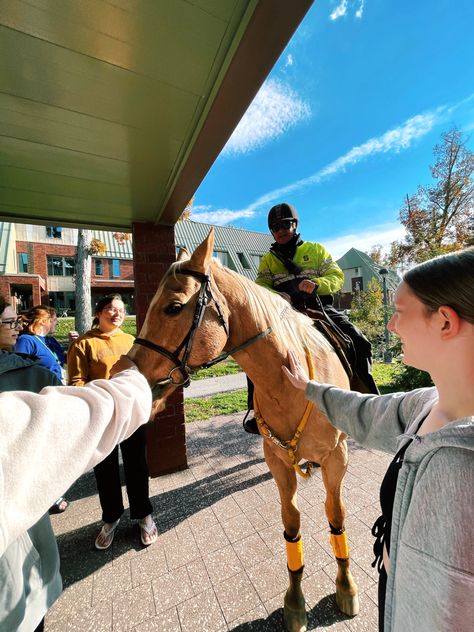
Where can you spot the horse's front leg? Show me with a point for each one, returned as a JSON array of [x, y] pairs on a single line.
[[285, 478], [333, 470]]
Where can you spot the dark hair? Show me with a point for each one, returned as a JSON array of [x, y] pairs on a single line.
[[35, 317], [446, 280], [102, 304], [4, 303]]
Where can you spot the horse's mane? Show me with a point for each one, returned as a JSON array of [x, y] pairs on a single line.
[[267, 308]]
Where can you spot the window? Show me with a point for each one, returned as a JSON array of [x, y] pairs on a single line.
[[54, 231], [22, 262], [243, 260], [256, 260], [61, 266], [357, 284], [99, 268], [115, 267], [221, 256], [63, 302]]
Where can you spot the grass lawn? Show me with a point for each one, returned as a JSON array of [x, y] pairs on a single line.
[[220, 404], [65, 325], [236, 401]]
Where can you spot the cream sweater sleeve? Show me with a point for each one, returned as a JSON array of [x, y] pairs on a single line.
[[48, 440]]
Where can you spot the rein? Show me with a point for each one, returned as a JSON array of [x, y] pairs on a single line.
[[291, 446], [205, 297]]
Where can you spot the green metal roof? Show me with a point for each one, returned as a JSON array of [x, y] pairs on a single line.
[[227, 240], [112, 112], [358, 259]]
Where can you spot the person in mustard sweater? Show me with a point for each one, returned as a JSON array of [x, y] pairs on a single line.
[[91, 357]]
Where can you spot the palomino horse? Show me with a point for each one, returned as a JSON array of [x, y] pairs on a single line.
[[223, 313]]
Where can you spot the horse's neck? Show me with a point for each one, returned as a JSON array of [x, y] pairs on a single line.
[[264, 355]]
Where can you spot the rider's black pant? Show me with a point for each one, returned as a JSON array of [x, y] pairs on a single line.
[[362, 347]]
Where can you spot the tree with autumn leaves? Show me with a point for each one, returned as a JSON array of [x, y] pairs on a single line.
[[439, 218]]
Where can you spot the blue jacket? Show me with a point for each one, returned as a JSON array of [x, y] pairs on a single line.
[[38, 347]]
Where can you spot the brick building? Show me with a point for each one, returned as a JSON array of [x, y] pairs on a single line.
[[38, 266]]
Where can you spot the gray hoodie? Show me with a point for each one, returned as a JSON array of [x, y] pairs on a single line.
[[430, 586]]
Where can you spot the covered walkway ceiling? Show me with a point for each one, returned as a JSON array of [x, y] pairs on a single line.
[[113, 111]]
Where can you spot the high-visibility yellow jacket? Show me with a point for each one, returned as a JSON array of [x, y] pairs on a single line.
[[316, 263]]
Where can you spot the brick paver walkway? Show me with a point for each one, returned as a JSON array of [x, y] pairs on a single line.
[[219, 563]]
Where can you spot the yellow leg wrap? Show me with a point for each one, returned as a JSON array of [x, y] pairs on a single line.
[[339, 545], [294, 554]]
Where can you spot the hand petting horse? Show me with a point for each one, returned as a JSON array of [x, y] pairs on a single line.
[[201, 313]]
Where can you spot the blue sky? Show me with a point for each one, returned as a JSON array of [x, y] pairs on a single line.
[[345, 124]]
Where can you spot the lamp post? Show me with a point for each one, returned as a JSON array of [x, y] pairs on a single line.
[[387, 356]]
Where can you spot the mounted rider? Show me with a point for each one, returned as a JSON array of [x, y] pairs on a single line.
[[305, 274]]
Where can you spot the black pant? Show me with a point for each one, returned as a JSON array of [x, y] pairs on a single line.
[[107, 474], [382, 595], [362, 347]]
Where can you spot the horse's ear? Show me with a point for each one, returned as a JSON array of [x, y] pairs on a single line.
[[183, 255], [202, 256]]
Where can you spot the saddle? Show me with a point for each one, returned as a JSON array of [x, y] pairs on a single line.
[[342, 344], [313, 306]]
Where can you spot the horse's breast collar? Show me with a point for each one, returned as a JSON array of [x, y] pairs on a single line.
[[290, 446]]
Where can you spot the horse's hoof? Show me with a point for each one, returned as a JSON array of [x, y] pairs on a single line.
[[348, 604], [295, 620]]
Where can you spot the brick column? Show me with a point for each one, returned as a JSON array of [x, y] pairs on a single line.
[[153, 252]]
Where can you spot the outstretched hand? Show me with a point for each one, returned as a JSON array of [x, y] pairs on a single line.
[[296, 373], [122, 363]]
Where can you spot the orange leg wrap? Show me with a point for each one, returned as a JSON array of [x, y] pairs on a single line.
[[339, 545], [294, 553]]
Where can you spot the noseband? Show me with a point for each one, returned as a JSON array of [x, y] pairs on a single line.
[[205, 297]]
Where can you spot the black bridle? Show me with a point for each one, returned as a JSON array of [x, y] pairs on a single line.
[[205, 297]]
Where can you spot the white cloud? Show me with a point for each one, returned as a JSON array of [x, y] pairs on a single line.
[[342, 9], [394, 140], [382, 235], [275, 109], [339, 11], [289, 60], [219, 217], [201, 208], [360, 10]]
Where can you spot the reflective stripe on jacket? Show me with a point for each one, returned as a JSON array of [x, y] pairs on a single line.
[[317, 265]]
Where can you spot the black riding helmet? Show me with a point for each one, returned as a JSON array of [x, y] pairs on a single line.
[[282, 211]]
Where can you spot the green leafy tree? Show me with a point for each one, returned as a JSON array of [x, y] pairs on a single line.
[[367, 314], [439, 218]]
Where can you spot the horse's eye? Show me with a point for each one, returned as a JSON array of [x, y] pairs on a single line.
[[174, 308]]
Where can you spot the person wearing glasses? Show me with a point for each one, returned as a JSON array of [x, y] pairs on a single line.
[[299, 271], [90, 357], [68, 429]]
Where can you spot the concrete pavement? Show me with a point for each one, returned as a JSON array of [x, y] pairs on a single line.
[[219, 563], [213, 385]]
